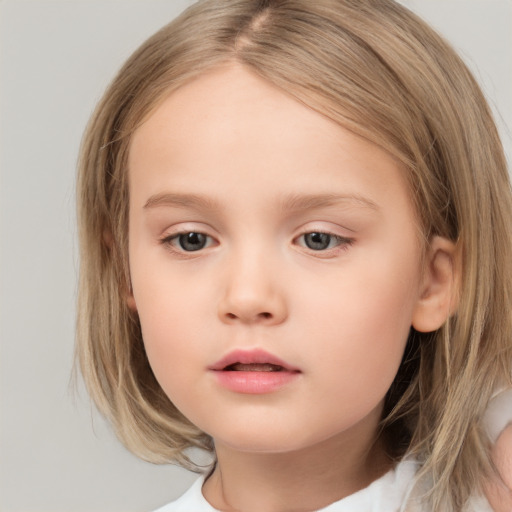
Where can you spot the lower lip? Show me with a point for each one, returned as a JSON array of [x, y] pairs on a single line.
[[255, 383]]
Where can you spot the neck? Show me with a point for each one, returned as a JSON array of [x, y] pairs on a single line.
[[302, 480]]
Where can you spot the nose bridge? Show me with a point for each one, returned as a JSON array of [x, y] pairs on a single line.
[[252, 291]]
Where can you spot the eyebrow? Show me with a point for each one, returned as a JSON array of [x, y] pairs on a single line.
[[314, 201], [291, 202], [183, 200]]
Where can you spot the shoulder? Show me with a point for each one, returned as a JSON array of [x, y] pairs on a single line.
[[499, 414], [499, 425], [502, 455], [192, 500]]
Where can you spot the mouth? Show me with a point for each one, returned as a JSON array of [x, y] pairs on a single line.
[[256, 360], [253, 367], [253, 372]]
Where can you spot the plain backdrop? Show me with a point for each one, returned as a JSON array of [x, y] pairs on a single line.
[[56, 57]]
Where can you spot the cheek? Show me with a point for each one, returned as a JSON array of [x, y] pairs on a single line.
[[168, 316], [172, 348], [366, 318], [169, 319]]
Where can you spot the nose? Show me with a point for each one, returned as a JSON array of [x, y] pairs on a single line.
[[252, 293]]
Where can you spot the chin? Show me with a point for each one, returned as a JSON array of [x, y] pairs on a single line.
[[270, 440], [261, 447]]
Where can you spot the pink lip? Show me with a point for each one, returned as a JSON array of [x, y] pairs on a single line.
[[255, 356], [253, 382]]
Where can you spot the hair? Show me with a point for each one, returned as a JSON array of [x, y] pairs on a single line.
[[378, 70]]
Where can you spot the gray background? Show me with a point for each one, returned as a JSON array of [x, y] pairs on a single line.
[[56, 57]]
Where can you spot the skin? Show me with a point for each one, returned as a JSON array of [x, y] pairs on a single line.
[[499, 493], [340, 314]]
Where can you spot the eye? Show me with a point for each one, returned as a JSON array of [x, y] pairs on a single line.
[[318, 241], [189, 242]]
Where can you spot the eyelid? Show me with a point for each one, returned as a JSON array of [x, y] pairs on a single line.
[[180, 228], [173, 234], [344, 242], [341, 239]]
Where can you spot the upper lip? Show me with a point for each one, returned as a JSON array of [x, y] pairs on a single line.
[[254, 356]]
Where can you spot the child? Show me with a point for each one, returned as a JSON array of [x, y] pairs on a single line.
[[295, 230]]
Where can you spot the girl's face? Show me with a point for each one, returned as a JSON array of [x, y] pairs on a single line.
[[275, 264]]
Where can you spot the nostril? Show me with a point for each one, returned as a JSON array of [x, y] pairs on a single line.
[[265, 315]]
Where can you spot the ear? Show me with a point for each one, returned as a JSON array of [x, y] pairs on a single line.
[[439, 292], [130, 302], [108, 239]]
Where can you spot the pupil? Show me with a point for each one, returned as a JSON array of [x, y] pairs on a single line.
[[317, 241], [192, 241]]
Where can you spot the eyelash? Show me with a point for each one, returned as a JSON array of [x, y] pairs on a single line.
[[169, 242], [341, 243]]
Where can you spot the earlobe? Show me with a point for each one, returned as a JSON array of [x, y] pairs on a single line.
[[108, 240], [439, 293], [130, 302]]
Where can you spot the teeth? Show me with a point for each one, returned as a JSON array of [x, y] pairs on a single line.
[[254, 367]]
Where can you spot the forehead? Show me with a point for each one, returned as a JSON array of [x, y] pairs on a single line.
[[230, 129], [224, 102]]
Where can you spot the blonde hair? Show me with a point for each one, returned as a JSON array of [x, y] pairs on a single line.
[[378, 70]]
